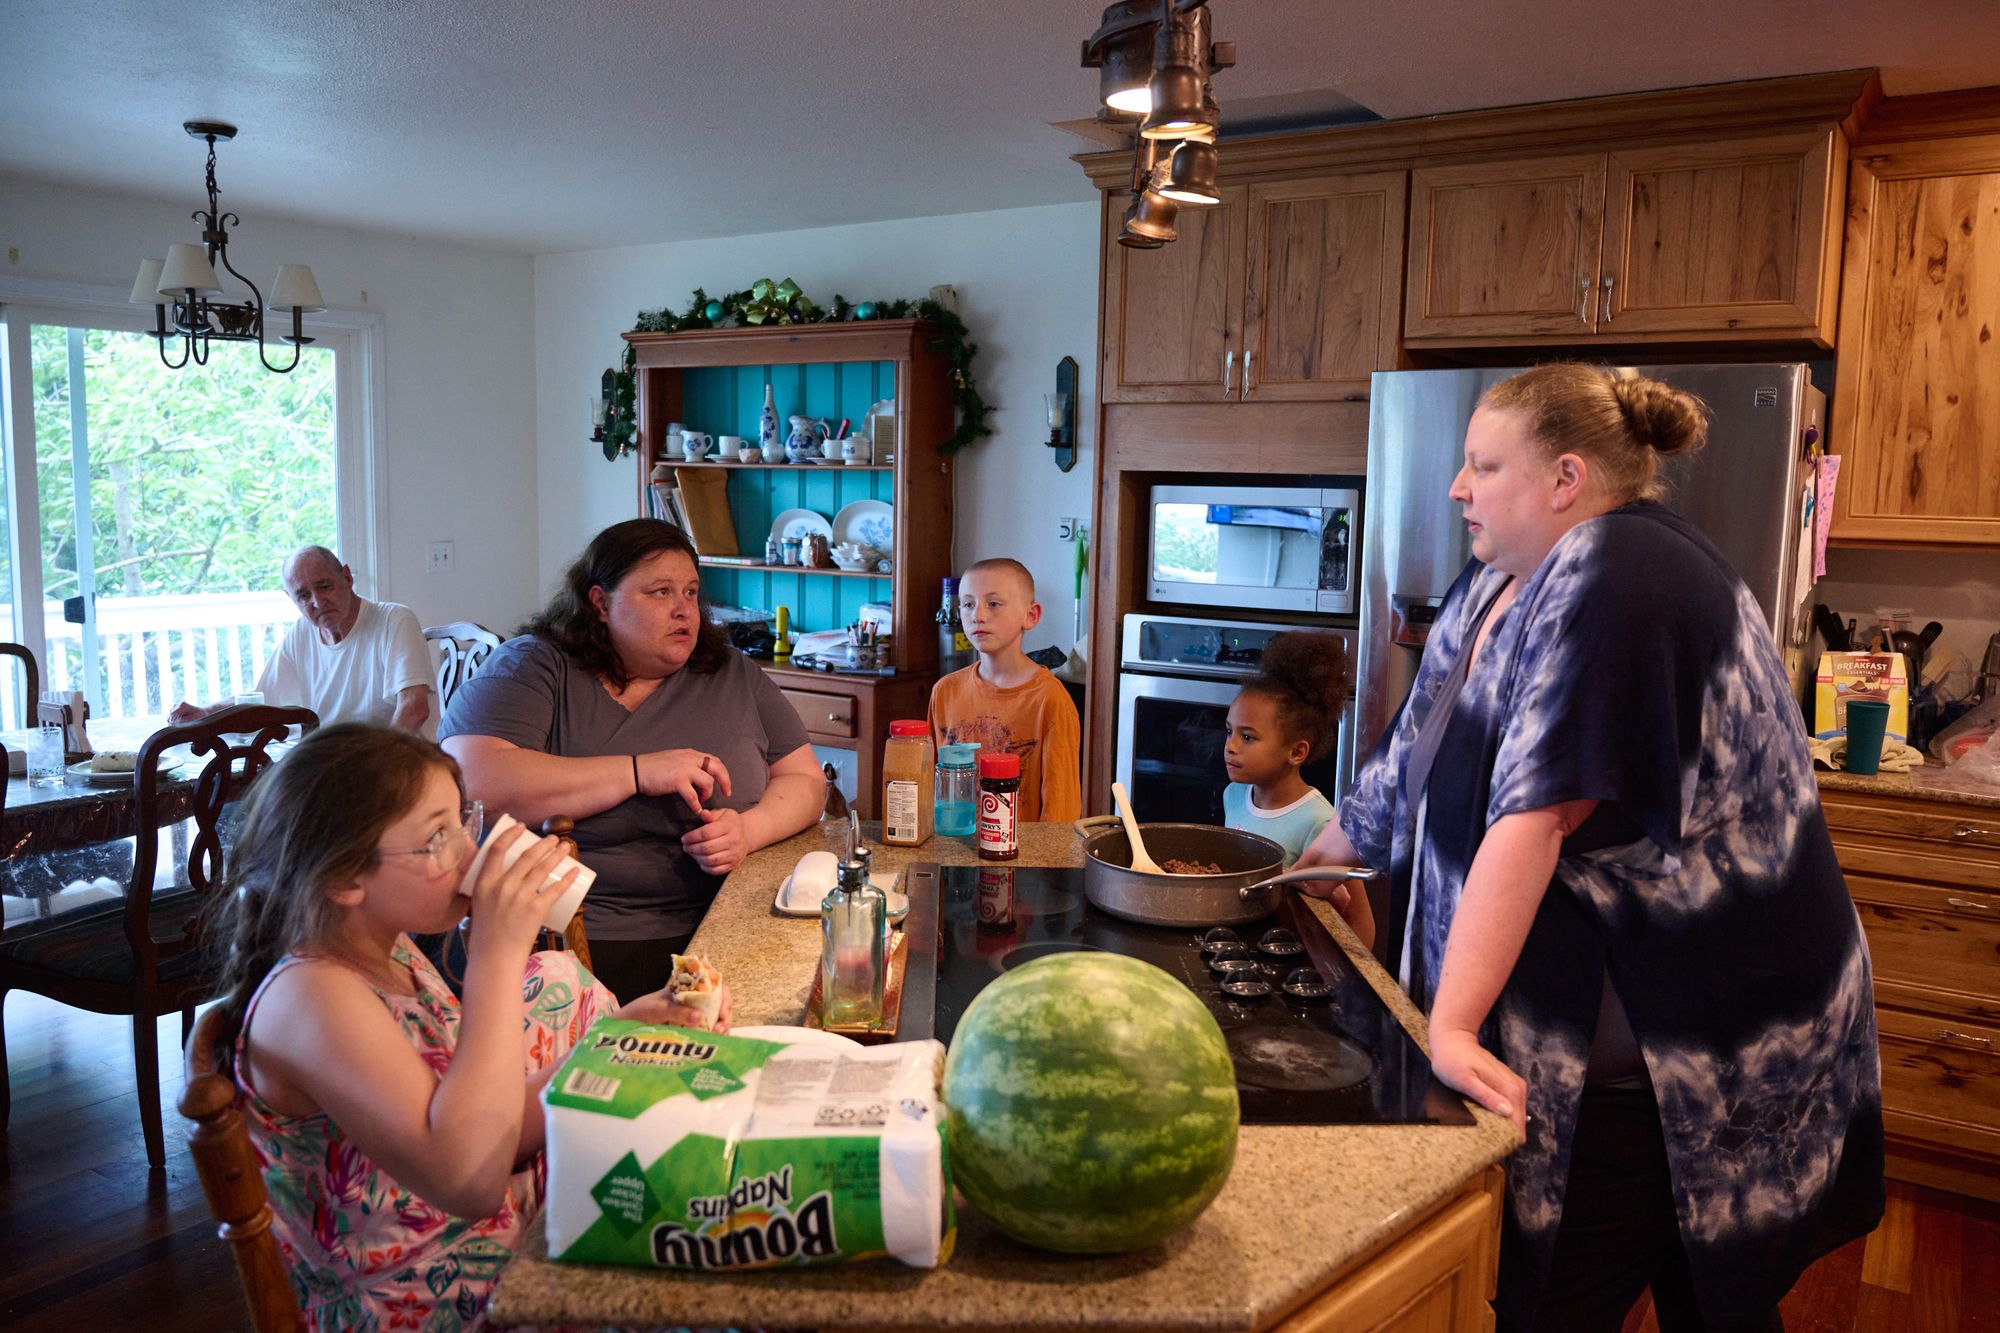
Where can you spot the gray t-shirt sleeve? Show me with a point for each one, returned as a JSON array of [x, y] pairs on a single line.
[[783, 731], [514, 698]]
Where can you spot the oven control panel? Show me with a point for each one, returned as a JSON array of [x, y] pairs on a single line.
[[1197, 646]]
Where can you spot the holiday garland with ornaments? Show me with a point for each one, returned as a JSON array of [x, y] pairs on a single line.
[[767, 302]]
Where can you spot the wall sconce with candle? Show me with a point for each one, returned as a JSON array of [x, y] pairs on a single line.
[[1062, 414]]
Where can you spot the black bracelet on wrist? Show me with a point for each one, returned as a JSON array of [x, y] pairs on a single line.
[[636, 790]]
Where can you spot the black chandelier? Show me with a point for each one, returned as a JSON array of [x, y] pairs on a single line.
[[186, 280], [1154, 59]]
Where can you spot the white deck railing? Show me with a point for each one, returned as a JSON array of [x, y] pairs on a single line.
[[155, 651]]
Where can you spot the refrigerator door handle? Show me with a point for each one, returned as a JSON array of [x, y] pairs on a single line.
[[1609, 278]]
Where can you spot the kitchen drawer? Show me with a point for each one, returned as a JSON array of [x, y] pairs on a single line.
[[1932, 946], [1965, 830], [1941, 1082], [823, 714]]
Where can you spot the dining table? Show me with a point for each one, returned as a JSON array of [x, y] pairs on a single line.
[[66, 850]]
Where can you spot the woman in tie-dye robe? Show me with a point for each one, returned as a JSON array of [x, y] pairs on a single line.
[[1628, 693]]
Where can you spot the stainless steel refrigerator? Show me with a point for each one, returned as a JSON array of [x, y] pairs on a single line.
[[1750, 490]]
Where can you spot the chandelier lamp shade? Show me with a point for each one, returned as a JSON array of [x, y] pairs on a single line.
[[1154, 61], [184, 288]]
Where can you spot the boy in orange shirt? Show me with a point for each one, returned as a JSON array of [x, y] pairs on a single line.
[[1004, 701]]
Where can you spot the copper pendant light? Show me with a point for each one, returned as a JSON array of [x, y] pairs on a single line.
[[1175, 162]]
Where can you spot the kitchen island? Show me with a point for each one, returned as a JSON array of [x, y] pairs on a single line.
[[1345, 1227]]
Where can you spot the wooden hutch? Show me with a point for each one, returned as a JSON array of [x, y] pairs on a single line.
[[713, 380]]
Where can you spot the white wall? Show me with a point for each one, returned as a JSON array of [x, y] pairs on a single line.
[[1959, 590], [459, 452], [1027, 286]]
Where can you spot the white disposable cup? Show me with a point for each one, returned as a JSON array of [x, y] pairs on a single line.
[[562, 906]]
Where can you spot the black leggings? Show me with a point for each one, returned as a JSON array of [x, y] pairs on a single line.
[[1620, 1232], [632, 968]]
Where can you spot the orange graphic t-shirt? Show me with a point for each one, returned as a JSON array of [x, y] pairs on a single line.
[[1034, 720]]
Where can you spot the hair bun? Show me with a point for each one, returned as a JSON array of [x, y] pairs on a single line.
[[1661, 417]]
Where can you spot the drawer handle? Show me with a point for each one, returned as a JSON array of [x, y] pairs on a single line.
[[1946, 1034], [833, 717], [1973, 831], [1967, 905]]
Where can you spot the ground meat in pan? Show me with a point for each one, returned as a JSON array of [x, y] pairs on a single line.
[[1175, 866]]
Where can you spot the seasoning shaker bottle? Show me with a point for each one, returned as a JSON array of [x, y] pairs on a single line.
[[999, 807], [908, 781], [854, 946]]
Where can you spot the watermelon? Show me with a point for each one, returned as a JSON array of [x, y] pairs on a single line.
[[1090, 1104]]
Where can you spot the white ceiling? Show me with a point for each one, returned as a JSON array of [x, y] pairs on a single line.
[[536, 127]]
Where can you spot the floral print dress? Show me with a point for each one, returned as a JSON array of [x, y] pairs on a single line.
[[365, 1253]]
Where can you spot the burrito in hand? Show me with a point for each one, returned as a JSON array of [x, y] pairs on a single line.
[[695, 984]]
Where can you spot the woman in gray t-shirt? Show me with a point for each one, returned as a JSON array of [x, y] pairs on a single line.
[[622, 707]]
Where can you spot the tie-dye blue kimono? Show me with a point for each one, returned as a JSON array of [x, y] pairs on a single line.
[[1634, 669]]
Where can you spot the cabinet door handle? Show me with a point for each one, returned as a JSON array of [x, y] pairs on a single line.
[[1583, 300], [1604, 316], [1967, 905], [1946, 1034], [1228, 365], [1249, 357], [1973, 831]]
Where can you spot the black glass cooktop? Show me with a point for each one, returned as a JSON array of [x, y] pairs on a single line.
[[1312, 1041]]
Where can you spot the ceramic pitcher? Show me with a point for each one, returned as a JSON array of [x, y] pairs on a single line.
[[802, 445]]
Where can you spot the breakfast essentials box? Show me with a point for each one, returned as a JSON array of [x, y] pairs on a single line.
[[1844, 677], [677, 1148]]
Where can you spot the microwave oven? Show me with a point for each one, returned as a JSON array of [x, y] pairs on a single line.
[[1273, 548]]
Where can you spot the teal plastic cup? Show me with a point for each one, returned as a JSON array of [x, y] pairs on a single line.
[[1867, 719]]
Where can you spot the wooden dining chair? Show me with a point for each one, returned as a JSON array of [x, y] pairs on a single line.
[[463, 648], [31, 679], [234, 1183], [144, 957]]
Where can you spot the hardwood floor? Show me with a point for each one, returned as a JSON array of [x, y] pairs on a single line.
[[94, 1241]]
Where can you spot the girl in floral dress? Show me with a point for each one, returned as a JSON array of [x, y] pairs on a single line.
[[397, 1125]]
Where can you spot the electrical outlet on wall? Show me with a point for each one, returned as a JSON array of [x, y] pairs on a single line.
[[1065, 529], [437, 557]]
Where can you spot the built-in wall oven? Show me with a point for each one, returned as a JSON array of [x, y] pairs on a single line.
[[1177, 676]]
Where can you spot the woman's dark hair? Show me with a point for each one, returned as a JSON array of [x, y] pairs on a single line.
[[311, 823], [1307, 675], [572, 624]]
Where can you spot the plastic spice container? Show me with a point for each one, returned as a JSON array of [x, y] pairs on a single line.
[[957, 789], [999, 806], [909, 767]]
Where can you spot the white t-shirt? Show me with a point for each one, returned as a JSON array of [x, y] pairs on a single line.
[[357, 679]]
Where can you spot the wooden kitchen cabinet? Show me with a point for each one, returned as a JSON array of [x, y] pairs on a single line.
[[1504, 249], [1925, 877], [1916, 404], [1322, 299], [1284, 291], [1723, 238], [1172, 315]]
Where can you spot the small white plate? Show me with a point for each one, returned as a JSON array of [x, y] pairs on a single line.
[[118, 778], [800, 523], [831, 1041], [885, 880], [866, 523]]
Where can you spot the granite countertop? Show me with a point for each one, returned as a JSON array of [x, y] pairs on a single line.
[[1929, 784], [1303, 1205]]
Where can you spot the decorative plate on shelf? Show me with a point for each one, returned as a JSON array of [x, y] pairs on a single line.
[[800, 523], [866, 523]]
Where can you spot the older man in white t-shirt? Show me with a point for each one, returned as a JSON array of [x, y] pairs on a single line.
[[347, 658]]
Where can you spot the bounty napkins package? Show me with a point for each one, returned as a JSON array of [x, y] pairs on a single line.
[[677, 1148]]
